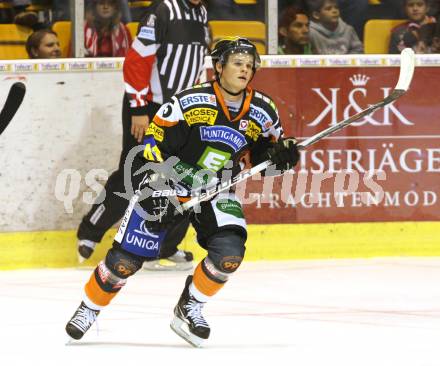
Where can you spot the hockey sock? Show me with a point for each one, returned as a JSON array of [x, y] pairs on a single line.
[[205, 282], [103, 285]]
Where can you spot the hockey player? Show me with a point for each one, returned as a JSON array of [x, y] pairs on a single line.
[[218, 124]]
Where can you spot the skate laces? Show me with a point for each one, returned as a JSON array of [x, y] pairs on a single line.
[[194, 311], [84, 318]]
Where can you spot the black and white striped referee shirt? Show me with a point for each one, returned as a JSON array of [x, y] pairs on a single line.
[[168, 53]]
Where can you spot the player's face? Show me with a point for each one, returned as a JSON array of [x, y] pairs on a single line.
[[237, 72], [298, 30], [416, 10], [49, 47], [105, 9], [195, 2]]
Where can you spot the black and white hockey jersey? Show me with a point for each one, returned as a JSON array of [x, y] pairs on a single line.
[[197, 128]]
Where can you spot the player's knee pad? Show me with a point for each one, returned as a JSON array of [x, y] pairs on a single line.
[[225, 253], [111, 275], [121, 263]]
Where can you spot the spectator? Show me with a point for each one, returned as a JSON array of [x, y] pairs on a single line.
[[43, 43], [329, 34], [104, 33], [293, 30], [406, 34]]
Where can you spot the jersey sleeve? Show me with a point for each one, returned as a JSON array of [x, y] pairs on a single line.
[[267, 126], [272, 128], [140, 58], [167, 132]]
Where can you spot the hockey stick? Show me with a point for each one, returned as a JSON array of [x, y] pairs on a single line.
[[13, 102], [407, 65]]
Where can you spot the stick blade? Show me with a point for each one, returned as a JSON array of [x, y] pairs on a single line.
[[13, 102], [407, 66]]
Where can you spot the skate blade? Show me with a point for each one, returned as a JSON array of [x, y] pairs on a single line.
[[81, 259], [178, 325], [70, 341]]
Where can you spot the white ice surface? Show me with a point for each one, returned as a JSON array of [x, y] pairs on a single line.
[[377, 312]]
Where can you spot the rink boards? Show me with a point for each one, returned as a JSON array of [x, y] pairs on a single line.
[[65, 140], [265, 242]]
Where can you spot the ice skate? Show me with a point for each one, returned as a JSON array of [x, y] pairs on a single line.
[[85, 249], [179, 261], [188, 321], [81, 321]]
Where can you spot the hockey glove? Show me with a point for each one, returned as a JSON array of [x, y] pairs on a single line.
[[283, 153], [159, 202]]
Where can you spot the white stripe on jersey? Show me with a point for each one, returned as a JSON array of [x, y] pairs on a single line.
[[205, 15], [202, 58], [174, 68], [184, 69], [143, 50], [176, 6], [163, 68], [170, 7], [194, 67], [156, 88]]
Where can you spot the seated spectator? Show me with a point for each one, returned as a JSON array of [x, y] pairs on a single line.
[[406, 34], [104, 34], [329, 34], [294, 32], [43, 43]]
